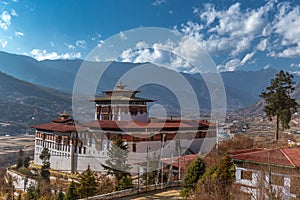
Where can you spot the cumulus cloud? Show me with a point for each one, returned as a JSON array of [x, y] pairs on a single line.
[[232, 29], [80, 43], [18, 33], [180, 56], [231, 65], [287, 26], [236, 63], [39, 55]]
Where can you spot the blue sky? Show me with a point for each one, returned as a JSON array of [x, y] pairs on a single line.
[[247, 35]]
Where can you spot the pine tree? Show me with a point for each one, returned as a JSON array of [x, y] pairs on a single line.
[[87, 183], [194, 172], [26, 162], [278, 100], [125, 183], [45, 157], [225, 176], [20, 159], [151, 167], [117, 161], [71, 192]]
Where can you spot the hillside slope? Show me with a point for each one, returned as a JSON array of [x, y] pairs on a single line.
[[24, 104]]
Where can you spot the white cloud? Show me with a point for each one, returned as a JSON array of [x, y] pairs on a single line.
[[290, 52], [70, 46], [18, 33], [233, 28], [295, 72], [247, 57], [80, 43], [98, 36], [3, 43], [287, 26], [5, 20], [13, 12], [161, 54], [231, 65], [100, 43], [262, 45], [287, 23], [5, 17], [158, 2], [122, 35], [39, 55], [267, 66], [295, 65], [235, 63]]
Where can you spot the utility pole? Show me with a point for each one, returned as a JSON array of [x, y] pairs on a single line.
[[147, 174], [138, 169]]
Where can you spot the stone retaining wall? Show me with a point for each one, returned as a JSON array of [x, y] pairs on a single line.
[[134, 191]]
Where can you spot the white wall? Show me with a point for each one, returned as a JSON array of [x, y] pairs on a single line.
[[253, 186], [20, 179]]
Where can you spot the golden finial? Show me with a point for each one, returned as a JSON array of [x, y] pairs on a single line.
[[120, 86], [64, 114]]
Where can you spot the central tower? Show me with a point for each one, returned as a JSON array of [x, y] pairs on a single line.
[[121, 105]]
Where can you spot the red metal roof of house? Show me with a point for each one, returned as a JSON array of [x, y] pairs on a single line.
[[289, 157], [184, 160]]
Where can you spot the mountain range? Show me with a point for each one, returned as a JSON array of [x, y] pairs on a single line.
[[26, 80]]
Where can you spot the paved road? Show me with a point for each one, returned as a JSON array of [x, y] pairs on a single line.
[[166, 194]]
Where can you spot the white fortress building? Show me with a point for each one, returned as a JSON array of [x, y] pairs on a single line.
[[120, 113]]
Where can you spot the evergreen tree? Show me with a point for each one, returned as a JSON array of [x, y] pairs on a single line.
[[26, 162], [278, 100], [117, 161], [71, 193], [33, 193], [60, 195], [20, 159], [87, 183], [125, 183], [45, 157], [194, 172], [151, 167], [225, 176]]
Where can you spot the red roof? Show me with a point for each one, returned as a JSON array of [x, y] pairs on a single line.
[[184, 161], [56, 127], [289, 157], [245, 151], [109, 124]]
